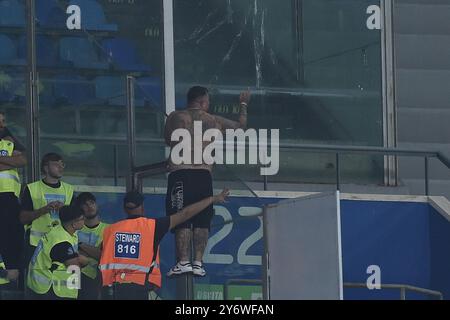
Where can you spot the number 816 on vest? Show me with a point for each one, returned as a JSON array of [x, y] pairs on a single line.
[[127, 245]]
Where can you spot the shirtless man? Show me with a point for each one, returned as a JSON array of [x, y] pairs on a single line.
[[189, 183]]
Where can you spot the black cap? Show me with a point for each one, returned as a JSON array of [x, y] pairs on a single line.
[[133, 200], [68, 213]]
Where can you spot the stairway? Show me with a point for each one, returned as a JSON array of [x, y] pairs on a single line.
[[422, 49]]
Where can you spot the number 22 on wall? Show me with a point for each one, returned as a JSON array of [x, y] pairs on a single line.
[[242, 256]]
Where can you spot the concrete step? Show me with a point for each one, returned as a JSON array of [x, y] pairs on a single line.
[[417, 51], [426, 17], [436, 187], [423, 125], [423, 88]]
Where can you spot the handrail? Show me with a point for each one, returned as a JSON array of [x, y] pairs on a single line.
[[316, 148], [444, 160], [358, 149], [336, 149], [320, 148], [402, 287]]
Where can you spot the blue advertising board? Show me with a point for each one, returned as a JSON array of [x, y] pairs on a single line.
[[407, 240]]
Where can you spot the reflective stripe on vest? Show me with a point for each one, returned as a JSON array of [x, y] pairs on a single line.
[[9, 176], [120, 266], [44, 281], [37, 234], [40, 279]]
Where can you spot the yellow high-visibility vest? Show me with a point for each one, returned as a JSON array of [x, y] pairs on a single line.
[[9, 179], [41, 194], [40, 277]]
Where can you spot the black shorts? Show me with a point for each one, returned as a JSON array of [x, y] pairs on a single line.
[[186, 187]]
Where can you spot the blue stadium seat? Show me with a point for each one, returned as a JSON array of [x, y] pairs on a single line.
[[92, 16], [49, 14], [46, 97], [12, 88], [148, 92], [47, 54], [72, 90], [81, 52], [12, 13], [6, 87], [122, 54], [9, 53], [111, 90]]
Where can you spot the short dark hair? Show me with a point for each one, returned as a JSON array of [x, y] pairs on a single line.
[[49, 157], [83, 197], [69, 213], [133, 197], [196, 92], [2, 113]]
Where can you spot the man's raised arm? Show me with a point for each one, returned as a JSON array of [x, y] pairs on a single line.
[[193, 209], [225, 123]]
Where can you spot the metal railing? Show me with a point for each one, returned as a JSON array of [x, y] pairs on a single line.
[[339, 150], [402, 287], [160, 167]]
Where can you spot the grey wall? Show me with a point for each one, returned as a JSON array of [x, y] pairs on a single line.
[[422, 44], [303, 241]]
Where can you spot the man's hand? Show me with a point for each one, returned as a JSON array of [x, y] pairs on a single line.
[[221, 197], [54, 205], [47, 208], [57, 205], [84, 261], [12, 274], [244, 97]]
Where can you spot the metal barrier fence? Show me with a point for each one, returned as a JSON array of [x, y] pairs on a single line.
[[402, 287]]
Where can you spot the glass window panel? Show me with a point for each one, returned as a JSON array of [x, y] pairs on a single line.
[[83, 59], [313, 66], [13, 67]]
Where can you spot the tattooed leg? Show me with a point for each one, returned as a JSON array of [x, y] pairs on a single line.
[[200, 242], [183, 242]]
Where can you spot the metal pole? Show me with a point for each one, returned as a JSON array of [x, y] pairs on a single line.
[[427, 189], [32, 97], [116, 165], [402, 293], [131, 136], [388, 90], [338, 179], [168, 56], [265, 277], [265, 183]]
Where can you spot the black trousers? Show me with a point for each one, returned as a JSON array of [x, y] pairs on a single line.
[[11, 231], [130, 291], [10, 291], [50, 295], [90, 288]]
